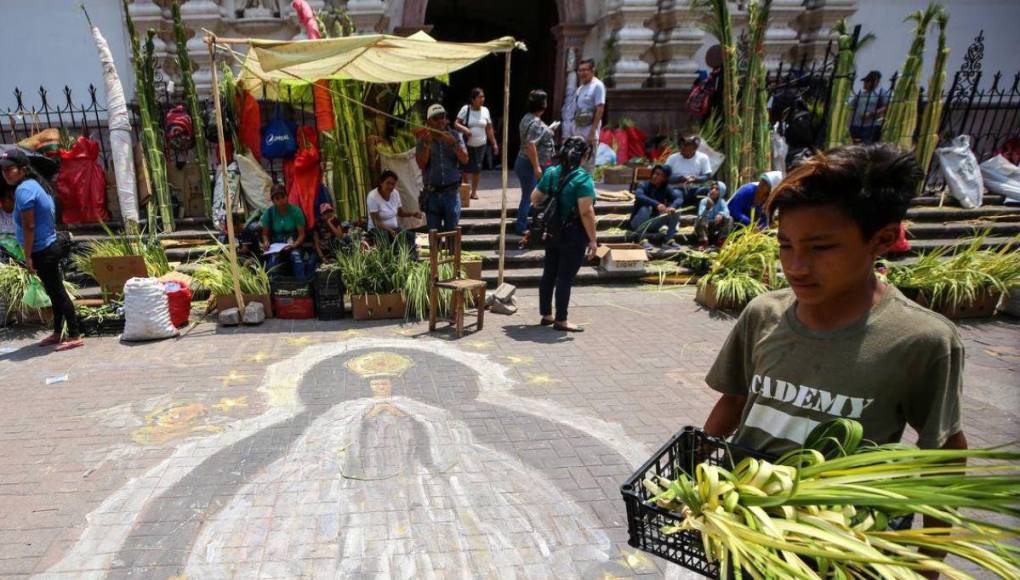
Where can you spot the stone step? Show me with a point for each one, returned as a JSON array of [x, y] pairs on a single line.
[[587, 275], [935, 200]]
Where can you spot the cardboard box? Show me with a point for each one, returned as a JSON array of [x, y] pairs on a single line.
[[226, 301], [707, 297], [622, 257], [113, 272], [473, 269], [377, 306], [618, 175]]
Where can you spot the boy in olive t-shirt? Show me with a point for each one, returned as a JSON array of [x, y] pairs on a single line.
[[839, 342]]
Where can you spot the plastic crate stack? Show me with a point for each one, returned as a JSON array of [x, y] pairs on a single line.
[[329, 295]]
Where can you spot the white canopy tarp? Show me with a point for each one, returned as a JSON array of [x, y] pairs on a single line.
[[373, 58]]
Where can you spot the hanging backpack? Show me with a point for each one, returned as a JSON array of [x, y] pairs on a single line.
[[278, 141], [700, 99], [546, 224], [180, 131]]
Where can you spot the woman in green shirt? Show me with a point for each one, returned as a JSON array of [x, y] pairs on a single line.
[[576, 237], [284, 223]]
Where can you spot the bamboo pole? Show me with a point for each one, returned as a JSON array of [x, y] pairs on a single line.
[[932, 116], [228, 196], [503, 155]]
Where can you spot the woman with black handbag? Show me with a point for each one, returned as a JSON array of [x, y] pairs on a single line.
[[564, 202], [35, 219]]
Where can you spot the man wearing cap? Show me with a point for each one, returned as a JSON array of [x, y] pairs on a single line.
[[656, 204], [749, 201], [438, 153], [690, 169], [35, 222], [868, 108]]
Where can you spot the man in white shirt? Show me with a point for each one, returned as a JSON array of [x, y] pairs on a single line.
[[589, 106], [690, 169]]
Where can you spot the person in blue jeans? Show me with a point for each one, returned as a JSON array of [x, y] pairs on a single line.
[[537, 150], [656, 204], [439, 152], [283, 223]]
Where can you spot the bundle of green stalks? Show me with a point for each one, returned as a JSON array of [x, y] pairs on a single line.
[[754, 140], [214, 273], [720, 25], [115, 245], [154, 162], [14, 283], [901, 115], [194, 109], [383, 269], [745, 267], [931, 118], [949, 279], [825, 515], [837, 132]]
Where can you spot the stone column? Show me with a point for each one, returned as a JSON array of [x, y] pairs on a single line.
[[369, 16], [569, 39], [199, 14], [681, 37], [633, 42], [781, 38], [814, 25]]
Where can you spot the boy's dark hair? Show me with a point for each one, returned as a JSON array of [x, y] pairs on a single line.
[[537, 101], [277, 190], [665, 169], [386, 174], [873, 184], [588, 61]]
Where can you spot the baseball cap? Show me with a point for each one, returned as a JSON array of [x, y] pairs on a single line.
[[435, 110], [324, 207], [11, 157]]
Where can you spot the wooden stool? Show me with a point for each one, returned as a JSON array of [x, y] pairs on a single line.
[[461, 287]]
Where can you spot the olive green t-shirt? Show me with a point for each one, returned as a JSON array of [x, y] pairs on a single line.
[[579, 184], [899, 364]]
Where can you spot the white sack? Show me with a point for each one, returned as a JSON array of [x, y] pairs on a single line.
[[146, 311]]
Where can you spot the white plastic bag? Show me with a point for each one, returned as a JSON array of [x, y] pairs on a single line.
[[146, 311], [715, 159], [960, 168], [255, 182], [220, 197], [779, 150], [605, 155], [409, 184], [1001, 177]]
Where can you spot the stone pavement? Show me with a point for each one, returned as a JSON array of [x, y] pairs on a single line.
[[343, 449]]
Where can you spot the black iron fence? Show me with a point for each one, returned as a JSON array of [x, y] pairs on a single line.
[[985, 107]]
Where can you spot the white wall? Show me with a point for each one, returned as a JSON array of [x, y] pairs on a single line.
[[1000, 19], [48, 43]]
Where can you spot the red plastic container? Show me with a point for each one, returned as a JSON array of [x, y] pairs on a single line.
[[293, 308], [178, 297]]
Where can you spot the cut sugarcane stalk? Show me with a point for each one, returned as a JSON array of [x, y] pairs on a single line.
[[191, 99], [932, 116]]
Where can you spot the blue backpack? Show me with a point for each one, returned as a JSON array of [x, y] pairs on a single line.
[[278, 140]]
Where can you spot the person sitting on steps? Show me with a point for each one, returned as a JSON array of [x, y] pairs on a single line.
[[714, 222], [656, 204]]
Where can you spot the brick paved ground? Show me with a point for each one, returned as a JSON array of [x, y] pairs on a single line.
[[261, 453]]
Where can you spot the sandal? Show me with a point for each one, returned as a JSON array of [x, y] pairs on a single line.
[[567, 327], [547, 322], [49, 340], [69, 344], [475, 196]]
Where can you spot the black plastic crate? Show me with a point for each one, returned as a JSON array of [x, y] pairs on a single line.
[[107, 327], [681, 454], [328, 283], [290, 287], [329, 307]]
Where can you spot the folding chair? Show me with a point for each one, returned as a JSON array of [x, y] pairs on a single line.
[[450, 241]]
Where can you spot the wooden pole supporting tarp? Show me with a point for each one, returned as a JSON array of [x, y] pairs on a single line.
[[228, 195], [506, 132]]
